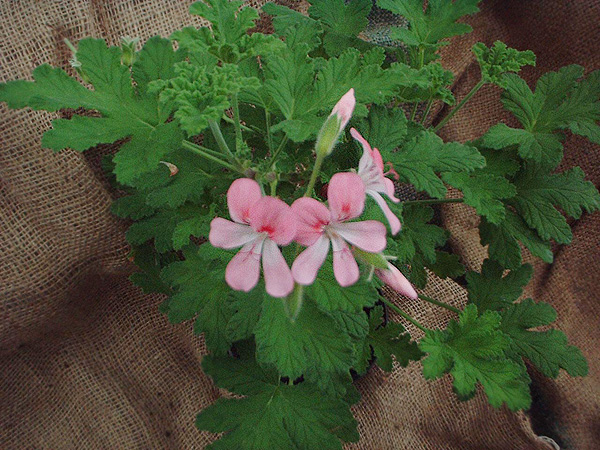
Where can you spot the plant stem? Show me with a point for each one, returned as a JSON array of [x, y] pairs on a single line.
[[237, 124], [315, 174], [228, 119], [269, 136], [203, 152], [459, 106], [216, 131], [433, 201], [403, 314], [281, 147], [419, 67], [439, 303], [427, 110]]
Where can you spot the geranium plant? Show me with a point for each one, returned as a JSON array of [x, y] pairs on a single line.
[[259, 173]]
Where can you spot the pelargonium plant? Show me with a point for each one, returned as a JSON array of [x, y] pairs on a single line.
[[243, 150]]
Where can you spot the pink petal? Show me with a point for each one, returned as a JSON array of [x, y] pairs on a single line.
[[308, 263], [227, 234], [394, 222], [390, 190], [378, 159], [346, 196], [345, 267], [244, 268], [397, 281], [368, 235], [344, 108], [272, 216], [241, 196], [311, 216], [278, 277]]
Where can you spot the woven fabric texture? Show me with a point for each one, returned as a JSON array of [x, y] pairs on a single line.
[[88, 362]]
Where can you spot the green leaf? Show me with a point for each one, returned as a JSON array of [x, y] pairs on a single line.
[[168, 227], [346, 18], [330, 296], [539, 192], [543, 148], [473, 350], [447, 265], [195, 297], [150, 263], [313, 340], [155, 62], [547, 350], [272, 415], [420, 160], [503, 240], [484, 192], [427, 27], [562, 100], [385, 128], [389, 339], [499, 59], [418, 235], [135, 158], [247, 307], [490, 290], [124, 113]]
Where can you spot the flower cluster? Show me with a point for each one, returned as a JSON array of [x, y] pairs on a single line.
[[262, 223]]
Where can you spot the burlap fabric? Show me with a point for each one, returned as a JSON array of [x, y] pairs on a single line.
[[88, 362]]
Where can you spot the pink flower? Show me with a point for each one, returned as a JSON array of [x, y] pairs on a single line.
[[335, 124], [318, 227], [370, 170], [397, 281], [259, 225], [344, 108]]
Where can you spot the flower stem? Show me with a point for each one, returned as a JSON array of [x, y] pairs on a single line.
[[216, 131], [459, 106], [433, 201], [315, 174], [278, 151], [269, 136], [236, 122], [228, 119], [427, 110], [439, 303], [403, 314], [204, 152]]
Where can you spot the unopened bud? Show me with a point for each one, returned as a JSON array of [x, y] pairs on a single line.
[[376, 260], [335, 124], [128, 46]]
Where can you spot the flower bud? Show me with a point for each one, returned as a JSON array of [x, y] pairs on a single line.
[[128, 45], [335, 124], [377, 260]]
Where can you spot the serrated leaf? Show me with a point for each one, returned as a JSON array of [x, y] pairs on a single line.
[[247, 307], [499, 59], [417, 235], [472, 350], [547, 350], [503, 240], [447, 265], [330, 296], [429, 26], [390, 339], [385, 128], [538, 192], [420, 160], [312, 340], [490, 290], [273, 415], [484, 192]]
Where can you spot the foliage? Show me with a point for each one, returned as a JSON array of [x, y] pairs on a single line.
[[234, 103]]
